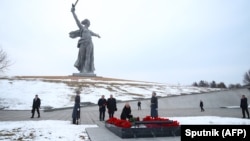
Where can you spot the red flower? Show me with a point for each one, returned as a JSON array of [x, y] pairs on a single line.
[[126, 124], [119, 123], [112, 120], [149, 118]]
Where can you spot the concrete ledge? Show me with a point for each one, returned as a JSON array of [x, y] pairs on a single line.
[[145, 132], [101, 133], [84, 74]]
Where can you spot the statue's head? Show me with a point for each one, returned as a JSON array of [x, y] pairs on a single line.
[[86, 22]]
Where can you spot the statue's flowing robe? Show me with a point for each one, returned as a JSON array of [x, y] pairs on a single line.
[[85, 59]]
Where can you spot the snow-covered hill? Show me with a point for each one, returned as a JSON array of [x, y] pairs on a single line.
[[16, 93]]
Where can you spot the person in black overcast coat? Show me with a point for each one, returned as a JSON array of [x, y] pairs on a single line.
[[111, 105], [102, 102], [126, 112], [36, 106], [244, 106]]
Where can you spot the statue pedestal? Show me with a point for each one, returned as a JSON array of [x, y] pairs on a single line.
[[84, 74]]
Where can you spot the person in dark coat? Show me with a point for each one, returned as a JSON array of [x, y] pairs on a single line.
[[102, 102], [76, 109], [36, 106], [111, 105], [126, 112], [201, 106], [139, 105], [244, 106], [154, 105]]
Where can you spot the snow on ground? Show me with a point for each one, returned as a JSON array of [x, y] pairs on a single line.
[[17, 94], [53, 130], [211, 120]]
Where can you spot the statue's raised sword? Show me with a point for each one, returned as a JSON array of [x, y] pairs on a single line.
[[75, 3]]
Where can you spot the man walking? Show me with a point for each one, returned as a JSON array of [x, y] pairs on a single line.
[[36, 106], [102, 107], [139, 105], [201, 106], [244, 106]]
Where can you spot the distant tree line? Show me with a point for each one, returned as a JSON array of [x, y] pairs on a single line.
[[206, 84], [213, 84]]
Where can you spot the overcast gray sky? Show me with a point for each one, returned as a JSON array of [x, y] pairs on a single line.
[[170, 41]]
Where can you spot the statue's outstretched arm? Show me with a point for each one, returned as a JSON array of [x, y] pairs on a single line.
[[75, 17], [94, 34]]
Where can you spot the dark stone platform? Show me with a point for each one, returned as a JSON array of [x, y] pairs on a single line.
[[142, 131]]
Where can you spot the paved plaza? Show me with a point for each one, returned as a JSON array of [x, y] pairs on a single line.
[[90, 114]]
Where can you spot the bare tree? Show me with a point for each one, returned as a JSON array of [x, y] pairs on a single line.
[[246, 79], [4, 62]]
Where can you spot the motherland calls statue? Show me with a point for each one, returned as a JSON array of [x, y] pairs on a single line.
[[85, 59]]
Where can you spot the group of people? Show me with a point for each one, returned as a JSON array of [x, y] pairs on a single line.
[[76, 110], [110, 104]]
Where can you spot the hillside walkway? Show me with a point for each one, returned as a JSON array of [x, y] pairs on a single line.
[[167, 108]]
